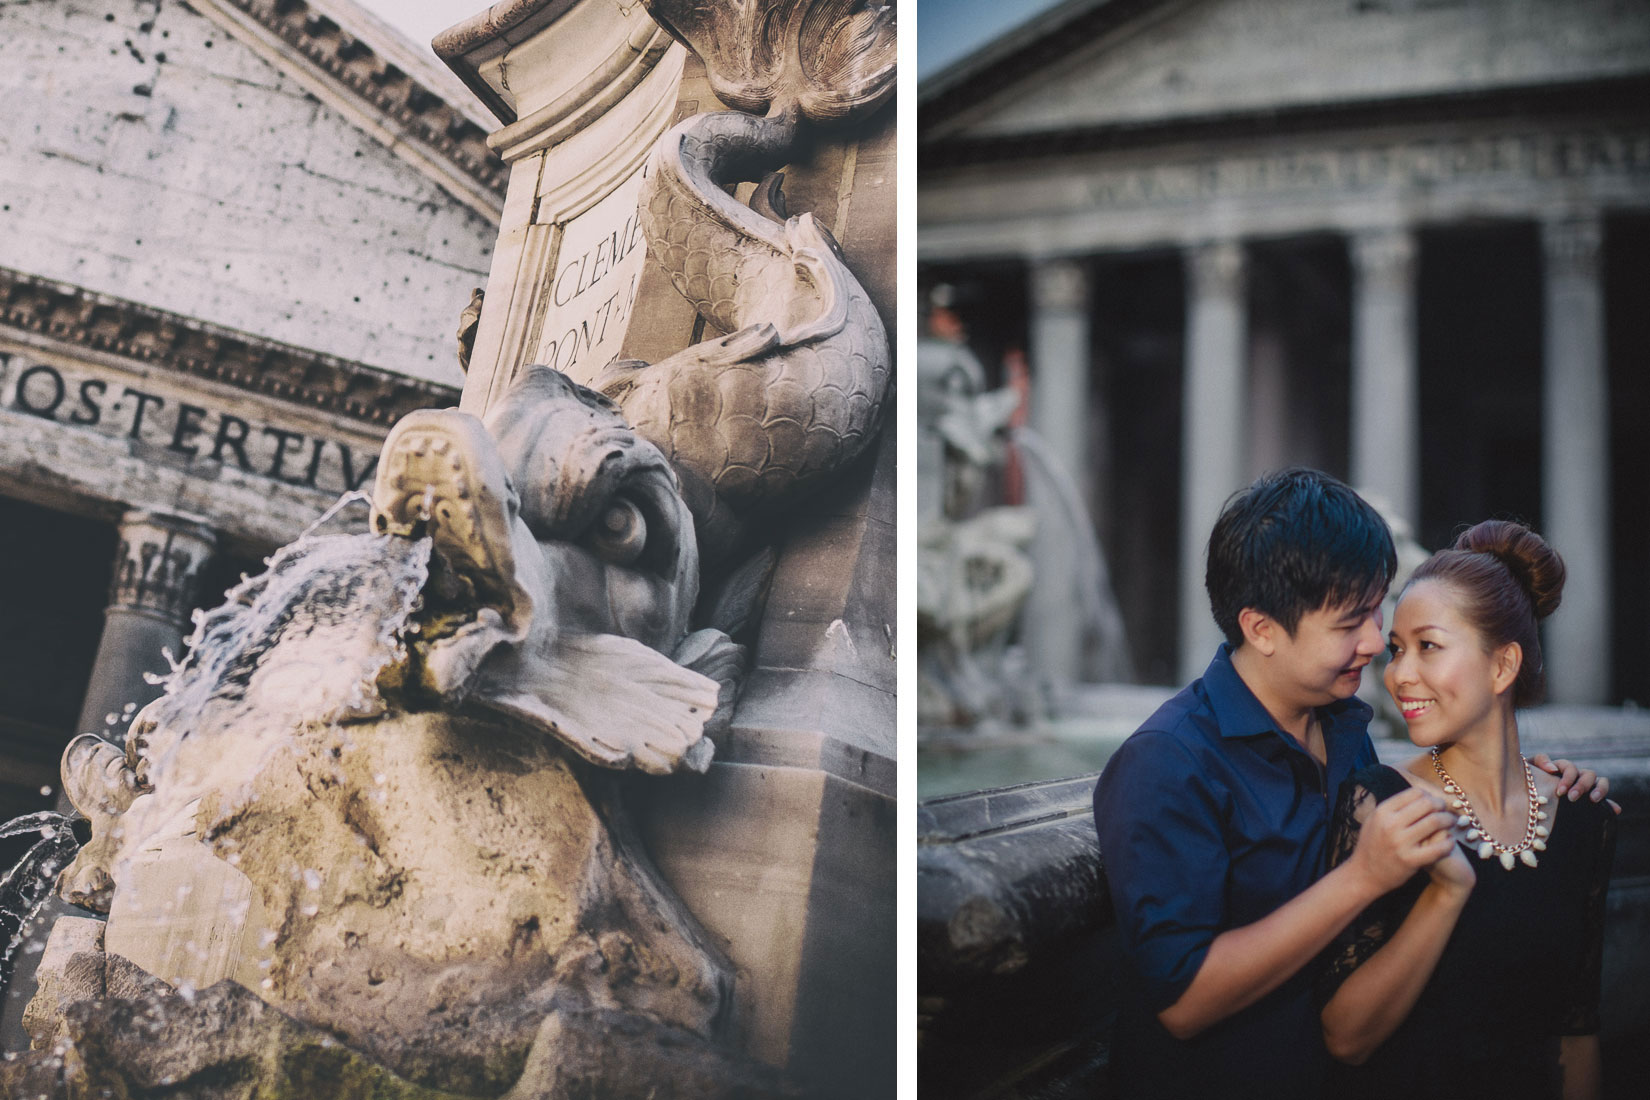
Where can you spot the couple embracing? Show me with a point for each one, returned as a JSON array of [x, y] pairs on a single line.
[[1299, 920]]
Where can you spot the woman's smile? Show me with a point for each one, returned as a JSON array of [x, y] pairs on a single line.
[[1413, 708]]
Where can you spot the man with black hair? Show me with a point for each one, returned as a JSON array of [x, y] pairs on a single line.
[[1212, 816]]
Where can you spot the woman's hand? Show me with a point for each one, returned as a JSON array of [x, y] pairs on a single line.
[[1371, 1003], [1453, 872], [1406, 833]]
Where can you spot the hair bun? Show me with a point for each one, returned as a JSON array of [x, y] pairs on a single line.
[[1535, 565]]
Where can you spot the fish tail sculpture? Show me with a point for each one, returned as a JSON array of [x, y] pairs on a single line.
[[794, 389]]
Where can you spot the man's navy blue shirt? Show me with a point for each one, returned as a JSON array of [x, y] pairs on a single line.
[[1210, 817]]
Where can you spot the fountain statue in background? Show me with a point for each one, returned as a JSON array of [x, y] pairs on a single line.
[[374, 838], [973, 569]]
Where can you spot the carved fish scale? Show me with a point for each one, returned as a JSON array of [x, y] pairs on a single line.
[[795, 390]]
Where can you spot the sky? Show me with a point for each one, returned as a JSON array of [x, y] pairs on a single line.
[[951, 29], [422, 20]]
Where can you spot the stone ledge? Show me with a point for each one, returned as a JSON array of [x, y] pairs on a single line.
[[819, 720], [512, 21], [82, 318], [1588, 101]]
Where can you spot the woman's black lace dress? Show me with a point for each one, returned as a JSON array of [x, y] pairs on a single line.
[[1521, 967]]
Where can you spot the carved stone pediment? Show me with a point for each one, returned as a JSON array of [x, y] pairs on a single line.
[[1142, 64]]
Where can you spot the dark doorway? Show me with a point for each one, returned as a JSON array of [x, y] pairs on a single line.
[[1479, 330], [51, 617], [990, 301], [1627, 335], [1300, 335], [1138, 330]]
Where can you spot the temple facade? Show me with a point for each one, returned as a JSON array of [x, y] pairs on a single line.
[[1404, 243], [239, 236]]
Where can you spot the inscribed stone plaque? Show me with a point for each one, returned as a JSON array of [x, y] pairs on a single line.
[[598, 266]]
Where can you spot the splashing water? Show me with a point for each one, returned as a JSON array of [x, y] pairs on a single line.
[[26, 886], [353, 497], [302, 643], [347, 598], [1102, 617]]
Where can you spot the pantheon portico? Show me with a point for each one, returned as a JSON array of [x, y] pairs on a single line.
[[1351, 212], [238, 238]]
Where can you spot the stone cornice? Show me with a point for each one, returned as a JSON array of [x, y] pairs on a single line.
[[345, 72], [76, 317], [1596, 101], [506, 21]]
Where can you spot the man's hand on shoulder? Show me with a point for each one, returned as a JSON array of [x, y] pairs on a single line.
[[1575, 781], [1407, 832]]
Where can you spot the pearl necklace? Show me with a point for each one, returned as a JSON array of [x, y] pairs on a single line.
[[1535, 833]]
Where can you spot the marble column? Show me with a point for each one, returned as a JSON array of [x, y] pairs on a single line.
[[1385, 414], [155, 587], [1575, 470], [1215, 403], [1059, 355]]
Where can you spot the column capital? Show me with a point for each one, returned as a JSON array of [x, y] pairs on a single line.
[[1061, 284], [1571, 246], [159, 563], [1217, 268], [1385, 253]]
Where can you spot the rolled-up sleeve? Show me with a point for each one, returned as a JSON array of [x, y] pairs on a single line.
[[1165, 857]]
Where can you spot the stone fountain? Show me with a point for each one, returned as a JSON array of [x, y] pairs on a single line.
[[521, 788], [973, 566], [988, 713]]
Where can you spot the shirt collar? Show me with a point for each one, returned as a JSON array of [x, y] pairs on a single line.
[[1239, 714]]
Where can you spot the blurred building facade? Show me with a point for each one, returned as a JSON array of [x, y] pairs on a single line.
[[237, 239], [1402, 242]]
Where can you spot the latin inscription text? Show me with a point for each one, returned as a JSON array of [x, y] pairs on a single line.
[[193, 432]]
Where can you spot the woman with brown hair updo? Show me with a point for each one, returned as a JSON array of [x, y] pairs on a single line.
[[1480, 976]]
